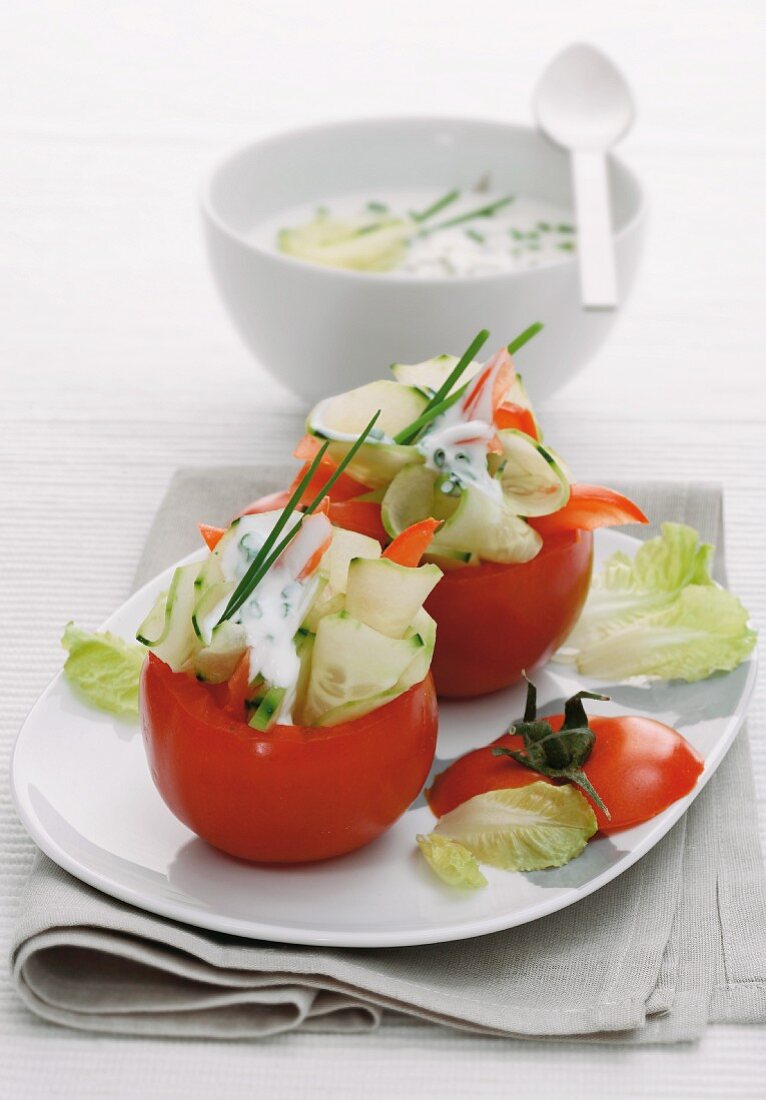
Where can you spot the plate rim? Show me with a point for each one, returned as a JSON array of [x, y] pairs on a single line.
[[188, 914]]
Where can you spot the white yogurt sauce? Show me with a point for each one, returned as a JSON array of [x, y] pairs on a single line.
[[524, 234], [457, 450], [273, 613]]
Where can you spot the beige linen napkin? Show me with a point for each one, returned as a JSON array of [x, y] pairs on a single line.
[[675, 942]]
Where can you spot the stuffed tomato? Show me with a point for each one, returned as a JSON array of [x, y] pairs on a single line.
[[294, 793], [458, 442], [287, 706]]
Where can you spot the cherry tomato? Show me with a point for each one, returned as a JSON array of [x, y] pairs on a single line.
[[294, 793], [589, 507], [410, 546], [638, 766], [497, 621]]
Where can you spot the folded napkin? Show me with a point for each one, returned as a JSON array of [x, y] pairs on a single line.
[[675, 942]]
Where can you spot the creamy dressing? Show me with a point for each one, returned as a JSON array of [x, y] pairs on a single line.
[[273, 613], [523, 234], [456, 449]]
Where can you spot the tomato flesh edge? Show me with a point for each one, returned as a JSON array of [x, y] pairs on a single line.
[[588, 508], [362, 516], [410, 546]]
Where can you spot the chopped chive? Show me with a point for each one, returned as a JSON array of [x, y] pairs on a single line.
[[377, 207], [260, 567], [478, 237], [533, 235], [565, 228], [481, 212], [517, 234], [371, 228], [566, 246], [545, 227], [524, 337], [435, 207], [322, 211], [407, 435]]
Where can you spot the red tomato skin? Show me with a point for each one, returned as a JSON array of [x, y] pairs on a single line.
[[273, 502], [362, 516], [638, 766], [294, 794], [497, 621]]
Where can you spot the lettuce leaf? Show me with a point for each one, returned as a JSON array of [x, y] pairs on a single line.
[[522, 828], [453, 863], [104, 668], [659, 615]]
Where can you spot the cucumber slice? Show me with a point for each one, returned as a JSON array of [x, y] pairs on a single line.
[[345, 546], [409, 498], [348, 413], [386, 595], [210, 598], [431, 374], [341, 419], [347, 712], [176, 640], [358, 246], [351, 662], [305, 650], [475, 524], [533, 482], [425, 627], [268, 709], [151, 630], [215, 662], [375, 464], [416, 671], [448, 559], [490, 529]]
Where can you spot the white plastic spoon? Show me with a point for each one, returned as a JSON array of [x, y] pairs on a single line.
[[583, 103]]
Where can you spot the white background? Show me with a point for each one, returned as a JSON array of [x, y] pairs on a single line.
[[119, 365]]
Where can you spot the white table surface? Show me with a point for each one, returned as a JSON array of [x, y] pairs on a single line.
[[118, 365]]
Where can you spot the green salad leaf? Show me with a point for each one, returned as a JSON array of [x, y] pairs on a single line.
[[660, 615], [522, 828], [453, 863], [104, 668]]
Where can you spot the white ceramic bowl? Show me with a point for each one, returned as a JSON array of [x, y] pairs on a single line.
[[320, 330]]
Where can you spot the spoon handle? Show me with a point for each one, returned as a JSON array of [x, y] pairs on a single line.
[[598, 277]]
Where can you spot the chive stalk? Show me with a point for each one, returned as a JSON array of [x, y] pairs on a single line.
[[407, 435], [266, 557], [481, 212], [524, 337], [435, 207]]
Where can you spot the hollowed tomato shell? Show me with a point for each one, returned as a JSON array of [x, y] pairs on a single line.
[[295, 793], [496, 621]]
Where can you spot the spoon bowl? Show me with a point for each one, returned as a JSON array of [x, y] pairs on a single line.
[[583, 101], [584, 104]]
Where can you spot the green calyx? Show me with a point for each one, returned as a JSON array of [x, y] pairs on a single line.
[[557, 754]]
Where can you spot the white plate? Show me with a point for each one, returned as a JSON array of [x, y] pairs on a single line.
[[83, 790]]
